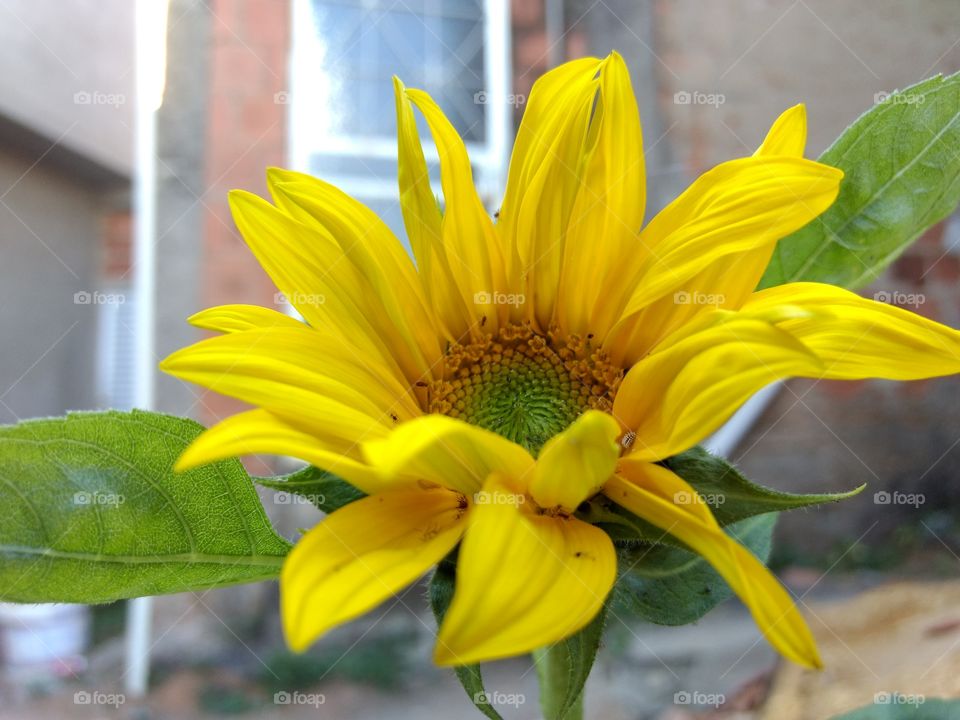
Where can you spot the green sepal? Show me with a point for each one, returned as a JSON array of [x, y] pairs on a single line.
[[668, 585], [323, 489], [563, 669], [441, 594], [719, 484]]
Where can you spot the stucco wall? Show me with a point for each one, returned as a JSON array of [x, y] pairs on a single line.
[[755, 58], [69, 74], [49, 250]]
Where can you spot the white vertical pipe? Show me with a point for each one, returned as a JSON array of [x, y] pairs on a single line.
[[150, 50], [498, 118], [726, 439]]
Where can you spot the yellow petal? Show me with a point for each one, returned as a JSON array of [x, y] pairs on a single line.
[[363, 554], [258, 432], [423, 220], [682, 392], [859, 338], [573, 465], [696, 242], [787, 135], [651, 492], [237, 318], [470, 242], [544, 180], [299, 259], [370, 246], [608, 211], [523, 581], [300, 376], [446, 451]]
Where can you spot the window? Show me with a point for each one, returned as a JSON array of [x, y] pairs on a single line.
[[342, 117], [116, 351]]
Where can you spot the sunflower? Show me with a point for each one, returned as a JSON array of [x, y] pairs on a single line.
[[516, 368]]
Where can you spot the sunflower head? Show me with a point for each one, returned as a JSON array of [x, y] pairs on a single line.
[[553, 355], [524, 385]]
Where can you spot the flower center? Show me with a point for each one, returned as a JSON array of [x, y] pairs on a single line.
[[523, 385]]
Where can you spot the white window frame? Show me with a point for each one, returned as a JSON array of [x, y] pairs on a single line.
[[489, 159]]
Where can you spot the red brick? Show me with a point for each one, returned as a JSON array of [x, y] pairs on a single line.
[[267, 22], [933, 237], [947, 268], [531, 51], [910, 267], [226, 17], [577, 45], [116, 244], [842, 388], [526, 13], [235, 68]]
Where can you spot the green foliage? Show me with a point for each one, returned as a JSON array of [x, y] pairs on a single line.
[[922, 710], [441, 594], [902, 175], [379, 661], [732, 497], [563, 670], [670, 586], [719, 484], [222, 699], [93, 512], [323, 489], [660, 579]]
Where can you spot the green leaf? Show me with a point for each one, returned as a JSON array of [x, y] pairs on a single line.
[[899, 706], [671, 586], [731, 496], [719, 484], [441, 594], [563, 669], [901, 161], [323, 489], [93, 512]]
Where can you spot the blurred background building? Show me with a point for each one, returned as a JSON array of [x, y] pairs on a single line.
[[307, 84], [66, 146]]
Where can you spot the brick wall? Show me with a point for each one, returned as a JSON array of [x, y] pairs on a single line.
[[532, 48], [116, 251], [245, 135]]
